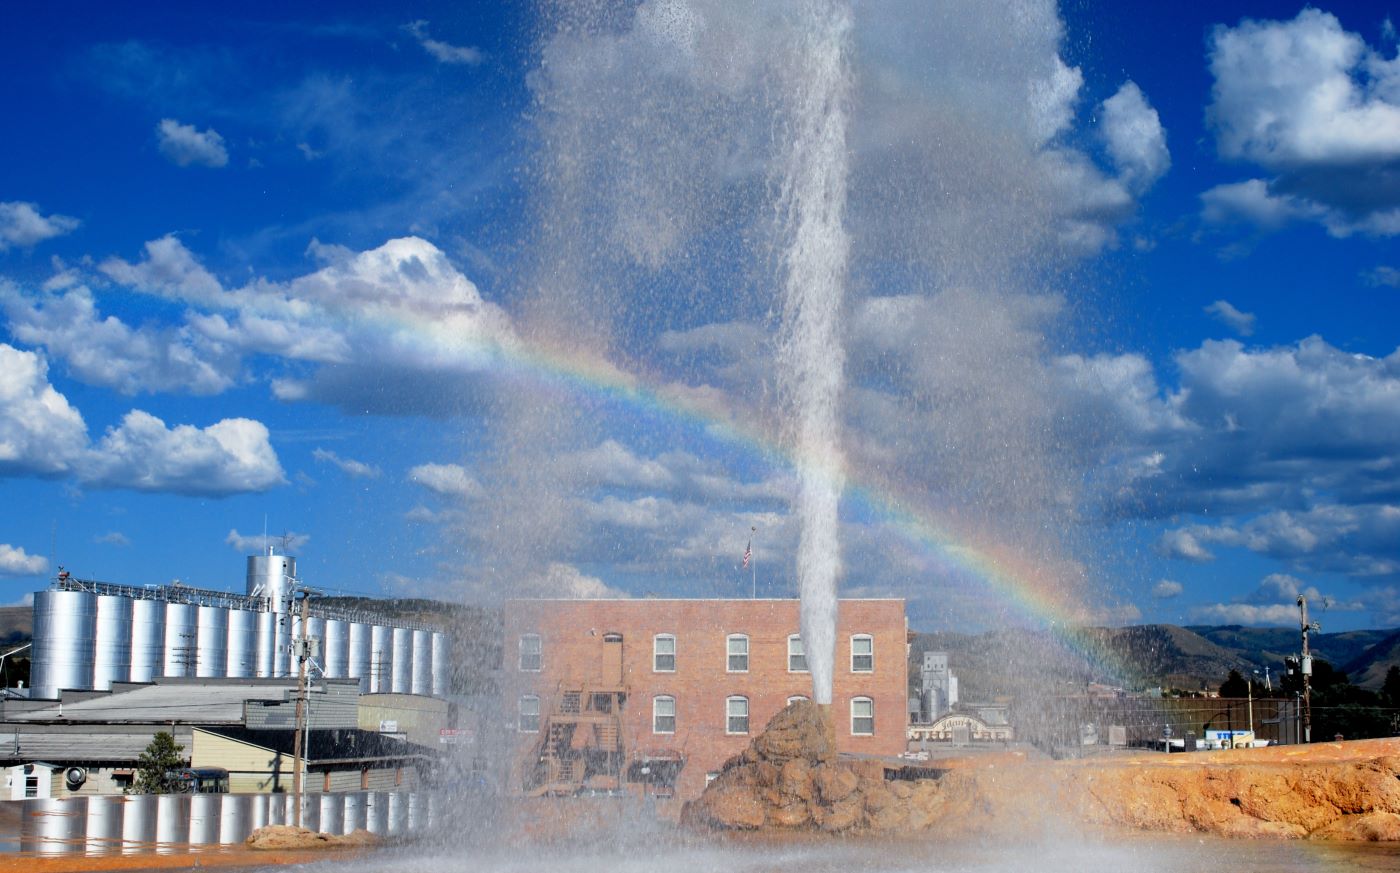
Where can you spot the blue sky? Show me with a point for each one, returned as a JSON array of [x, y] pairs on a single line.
[[1123, 301]]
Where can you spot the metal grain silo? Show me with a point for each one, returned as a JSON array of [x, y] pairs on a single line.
[[381, 669], [335, 650], [233, 818], [442, 663], [272, 576], [287, 630], [332, 814], [181, 636], [422, 678], [172, 822], [266, 645], [376, 812], [358, 664], [112, 645], [147, 640], [65, 632], [138, 820], [103, 828], [211, 642], [242, 643], [204, 819], [316, 630], [398, 813], [403, 661]]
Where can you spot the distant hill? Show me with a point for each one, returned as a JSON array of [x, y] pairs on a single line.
[[1270, 645], [1369, 668], [1017, 662], [16, 625]]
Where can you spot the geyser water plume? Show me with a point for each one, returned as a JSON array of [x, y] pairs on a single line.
[[812, 199]]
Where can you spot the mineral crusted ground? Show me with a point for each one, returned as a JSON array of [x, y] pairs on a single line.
[[789, 780]]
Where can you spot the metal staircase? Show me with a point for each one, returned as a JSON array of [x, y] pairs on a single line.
[[581, 746]]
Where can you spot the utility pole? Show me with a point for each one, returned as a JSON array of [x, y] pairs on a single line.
[[1305, 667], [1250, 683], [302, 644]]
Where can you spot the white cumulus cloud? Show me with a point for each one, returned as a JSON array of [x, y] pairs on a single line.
[[443, 52], [1136, 141], [1166, 588], [143, 454], [250, 544], [23, 226], [1314, 105], [40, 433], [349, 466], [450, 480], [185, 145], [1240, 322], [15, 561]]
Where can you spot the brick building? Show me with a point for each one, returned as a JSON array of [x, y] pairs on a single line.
[[653, 695]]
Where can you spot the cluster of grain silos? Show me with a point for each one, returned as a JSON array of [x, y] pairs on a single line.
[[88, 635], [108, 825]]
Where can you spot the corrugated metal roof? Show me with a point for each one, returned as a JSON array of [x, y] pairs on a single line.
[[64, 748], [164, 703]]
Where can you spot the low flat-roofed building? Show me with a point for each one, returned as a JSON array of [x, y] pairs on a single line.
[[261, 761]]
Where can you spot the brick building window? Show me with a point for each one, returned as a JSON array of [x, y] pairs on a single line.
[[531, 657], [862, 716], [797, 656], [796, 697], [736, 710], [663, 715], [738, 647], [663, 657], [862, 653], [529, 714]]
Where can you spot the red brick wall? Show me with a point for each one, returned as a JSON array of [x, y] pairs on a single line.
[[572, 632]]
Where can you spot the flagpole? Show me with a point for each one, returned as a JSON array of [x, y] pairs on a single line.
[[753, 592]]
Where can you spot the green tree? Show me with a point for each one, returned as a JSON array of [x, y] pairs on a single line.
[[154, 766], [1234, 685], [1390, 691]]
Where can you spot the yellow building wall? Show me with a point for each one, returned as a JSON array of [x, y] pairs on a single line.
[[251, 769]]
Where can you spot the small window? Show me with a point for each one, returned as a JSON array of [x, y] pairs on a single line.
[[531, 659], [862, 653], [862, 717], [529, 714], [737, 715], [738, 646], [796, 697], [797, 656], [664, 654], [663, 715]]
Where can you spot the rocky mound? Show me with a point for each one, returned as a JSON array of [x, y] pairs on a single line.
[[789, 779], [292, 837]]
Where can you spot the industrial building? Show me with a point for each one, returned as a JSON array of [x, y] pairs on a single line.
[[89, 742], [90, 635], [651, 695]]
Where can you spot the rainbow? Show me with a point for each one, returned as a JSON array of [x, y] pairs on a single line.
[[1036, 593]]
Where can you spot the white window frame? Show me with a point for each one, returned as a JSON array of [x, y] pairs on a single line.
[[657, 654], [730, 656], [870, 703], [521, 714], [797, 638], [796, 697], [538, 654], [729, 716], [871, 654], [657, 714]]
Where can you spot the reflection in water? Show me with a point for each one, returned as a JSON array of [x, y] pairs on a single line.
[[1148, 854], [178, 822]]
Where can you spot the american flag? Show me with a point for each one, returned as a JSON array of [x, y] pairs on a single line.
[[748, 553]]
